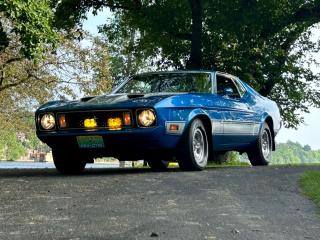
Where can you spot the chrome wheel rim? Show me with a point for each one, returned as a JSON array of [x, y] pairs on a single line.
[[266, 144], [199, 146]]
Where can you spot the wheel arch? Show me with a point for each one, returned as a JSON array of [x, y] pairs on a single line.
[[204, 117], [268, 120]]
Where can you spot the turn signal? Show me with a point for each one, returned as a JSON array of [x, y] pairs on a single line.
[[62, 121], [127, 119], [174, 127]]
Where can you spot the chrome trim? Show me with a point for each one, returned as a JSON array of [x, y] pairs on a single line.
[[181, 125], [214, 83], [225, 74], [240, 128], [217, 127], [235, 127]]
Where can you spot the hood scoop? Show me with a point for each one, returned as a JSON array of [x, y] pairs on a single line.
[[86, 99], [130, 96]]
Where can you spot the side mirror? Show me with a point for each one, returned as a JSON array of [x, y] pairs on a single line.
[[228, 91]]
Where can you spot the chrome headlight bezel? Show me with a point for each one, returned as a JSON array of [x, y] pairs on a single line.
[[140, 121], [50, 117]]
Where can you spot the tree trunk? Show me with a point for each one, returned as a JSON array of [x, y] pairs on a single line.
[[195, 60], [129, 68]]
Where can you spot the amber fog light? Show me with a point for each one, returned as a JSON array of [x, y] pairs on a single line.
[[114, 123], [146, 118], [47, 121], [62, 121], [90, 123]]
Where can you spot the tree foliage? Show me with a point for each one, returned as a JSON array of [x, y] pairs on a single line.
[[69, 71], [295, 153], [124, 59], [73, 69], [10, 147], [31, 22], [266, 43]]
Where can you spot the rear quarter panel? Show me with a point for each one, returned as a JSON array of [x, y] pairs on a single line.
[[264, 107]]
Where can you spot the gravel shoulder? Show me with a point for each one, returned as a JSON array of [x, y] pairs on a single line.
[[221, 203]]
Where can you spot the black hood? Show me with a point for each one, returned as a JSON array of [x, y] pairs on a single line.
[[110, 101]]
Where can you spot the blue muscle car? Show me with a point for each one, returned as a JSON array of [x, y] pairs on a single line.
[[186, 116]]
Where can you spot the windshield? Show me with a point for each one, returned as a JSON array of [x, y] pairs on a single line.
[[168, 82]]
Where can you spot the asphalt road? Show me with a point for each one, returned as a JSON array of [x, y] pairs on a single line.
[[226, 203]]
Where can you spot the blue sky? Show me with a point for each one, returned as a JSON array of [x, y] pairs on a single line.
[[307, 133]]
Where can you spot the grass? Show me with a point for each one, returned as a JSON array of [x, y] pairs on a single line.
[[295, 164], [228, 164], [310, 184]]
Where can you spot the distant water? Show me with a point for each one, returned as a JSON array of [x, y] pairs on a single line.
[[40, 165]]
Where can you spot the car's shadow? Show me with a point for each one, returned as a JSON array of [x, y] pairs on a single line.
[[51, 172]]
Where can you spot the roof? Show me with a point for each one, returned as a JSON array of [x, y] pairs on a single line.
[[187, 71]]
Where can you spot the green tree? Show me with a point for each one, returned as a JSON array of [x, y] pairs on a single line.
[[124, 60], [30, 21], [10, 147], [68, 72], [294, 152], [266, 43], [307, 148]]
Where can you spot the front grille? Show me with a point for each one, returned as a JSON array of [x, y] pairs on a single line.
[[76, 120]]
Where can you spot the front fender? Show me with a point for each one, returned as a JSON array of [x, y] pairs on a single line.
[[197, 112], [201, 114]]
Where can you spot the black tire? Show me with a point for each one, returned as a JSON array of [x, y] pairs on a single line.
[[188, 157], [260, 153], [69, 163], [158, 165]]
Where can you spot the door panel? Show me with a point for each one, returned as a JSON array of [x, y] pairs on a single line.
[[239, 125]]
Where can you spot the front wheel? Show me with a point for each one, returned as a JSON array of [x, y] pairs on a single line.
[[68, 163], [193, 151], [260, 153]]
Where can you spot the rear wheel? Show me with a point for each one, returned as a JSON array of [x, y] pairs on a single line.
[[193, 151], [260, 153], [69, 163], [158, 165]]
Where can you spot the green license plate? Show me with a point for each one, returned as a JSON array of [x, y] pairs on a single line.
[[90, 142]]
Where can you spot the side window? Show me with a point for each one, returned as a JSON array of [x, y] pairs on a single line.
[[224, 83], [241, 89], [202, 83]]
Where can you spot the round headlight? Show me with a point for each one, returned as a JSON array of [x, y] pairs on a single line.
[[47, 121], [146, 118]]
